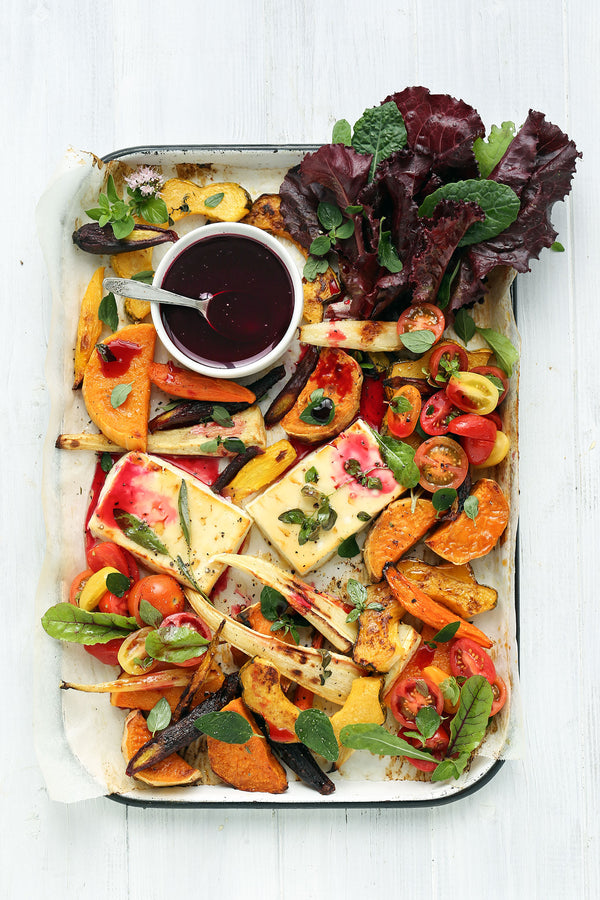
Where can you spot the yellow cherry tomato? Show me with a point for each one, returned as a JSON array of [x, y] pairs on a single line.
[[472, 393], [132, 652], [499, 451], [95, 588]]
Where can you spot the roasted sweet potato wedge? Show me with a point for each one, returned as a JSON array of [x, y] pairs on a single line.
[[464, 598], [168, 772], [465, 538], [340, 378], [89, 326], [250, 766], [224, 202], [397, 529]]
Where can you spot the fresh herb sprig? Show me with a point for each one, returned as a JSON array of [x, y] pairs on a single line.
[[144, 202], [357, 597]]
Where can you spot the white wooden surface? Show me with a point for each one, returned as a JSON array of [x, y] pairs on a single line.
[[101, 76]]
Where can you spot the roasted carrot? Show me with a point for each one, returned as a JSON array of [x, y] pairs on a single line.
[[193, 386], [427, 610]]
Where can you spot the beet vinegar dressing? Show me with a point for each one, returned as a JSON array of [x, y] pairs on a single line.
[[264, 306], [123, 352]]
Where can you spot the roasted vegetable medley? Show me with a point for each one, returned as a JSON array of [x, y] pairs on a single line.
[[382, 451]]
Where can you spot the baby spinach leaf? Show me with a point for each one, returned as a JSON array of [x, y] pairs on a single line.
[[499, 202], [316, 732], [67, 622], [226, 726], [379, 131]]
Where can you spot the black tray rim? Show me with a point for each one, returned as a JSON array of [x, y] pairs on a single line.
[[155, 149]]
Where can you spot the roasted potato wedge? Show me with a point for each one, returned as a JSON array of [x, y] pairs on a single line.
[[466, 599]]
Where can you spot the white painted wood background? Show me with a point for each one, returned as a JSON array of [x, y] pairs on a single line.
[[102, 76]]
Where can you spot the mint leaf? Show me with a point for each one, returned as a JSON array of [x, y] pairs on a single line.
[[159, 716], [329, 215], [400, 405], [316, 732], [418, 341], [226, 726], [499, 202], [471, 507], [119, 395], [311, 476], [489, 153], [344, 231], [67, 622], [123, 227], [321, 245], [272, 603], [464, 326], [379, 131], [107, 312], [234, 445], [505, 352], [342, 133]]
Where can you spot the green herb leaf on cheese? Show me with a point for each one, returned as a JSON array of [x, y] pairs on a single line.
[[184, 511], [139, 531]]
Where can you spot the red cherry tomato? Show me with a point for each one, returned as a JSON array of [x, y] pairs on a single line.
[[472, 426], [436, 744], [442, 462], [106, 553], [435, 414], [497, 373], [499, 690], [110, 603], [467, 658], [422, 765], [422, 317], [163, 592], [187, 620], [495, 418], [446, 359], [409, 695], [477, 451], [403, 412], [77, 585], [106, 653]]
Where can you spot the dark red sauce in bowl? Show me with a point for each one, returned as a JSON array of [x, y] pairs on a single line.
[[264, 305]]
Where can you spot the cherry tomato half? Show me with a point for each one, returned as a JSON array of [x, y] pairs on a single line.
[[77, 585], [407, 400], [498, 451], [467, 658], [435, 414], [442, 462], [163, 592], [499, 691], [110, 603], [422, 317], [107, 553], [436, 744], [188, 620], [473, 426], [107, 653], [409, 695], [496, 373], [445, 360], [472, 393]]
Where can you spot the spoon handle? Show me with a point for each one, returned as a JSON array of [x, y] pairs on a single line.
[[137, 290]]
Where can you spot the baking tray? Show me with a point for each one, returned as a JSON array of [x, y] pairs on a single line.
[[63, 728]]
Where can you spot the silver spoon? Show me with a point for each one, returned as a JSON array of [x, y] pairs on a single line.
[[220, 315]]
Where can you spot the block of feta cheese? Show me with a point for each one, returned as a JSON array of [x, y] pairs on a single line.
[[347, 496], [139, 509]]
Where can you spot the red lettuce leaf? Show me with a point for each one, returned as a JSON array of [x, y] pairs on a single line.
[[439, 238], [444, 128], [299, 203], [340, 168]]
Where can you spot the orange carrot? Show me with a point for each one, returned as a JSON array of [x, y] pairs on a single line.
[[427, 610], [193, 386]]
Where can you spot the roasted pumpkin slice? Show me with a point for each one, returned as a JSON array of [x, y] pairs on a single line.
[[469, 538], [89, 326], [169, 772], [126, 265], [329, 400], [225, 202], [117, 393], [263, 694], [250, 766], [265, 213], [317, 293], [362, 706], [398, 528], [465, 598]]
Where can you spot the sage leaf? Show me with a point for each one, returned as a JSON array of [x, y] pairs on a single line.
[[139, 531], [119, 395], [315, 731], [226, 726], [67, 622], [184, 511], [159, 716], [108, 313], [214, 200]]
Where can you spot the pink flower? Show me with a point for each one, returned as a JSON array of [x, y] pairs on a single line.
[[148, 180]]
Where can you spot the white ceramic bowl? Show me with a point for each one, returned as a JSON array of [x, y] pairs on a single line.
[[218, 370]]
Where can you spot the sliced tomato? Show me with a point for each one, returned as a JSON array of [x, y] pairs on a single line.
[[436, 413], [422, 317], [107, 553], [445, 360], [497, 373], [163, 592], [407, 400], [499, 691], [473, 426], [188, 620], [442, 462], [107, 653], [78, 584], [472, 393], [467, 658], [110, 603], [409, 695]]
